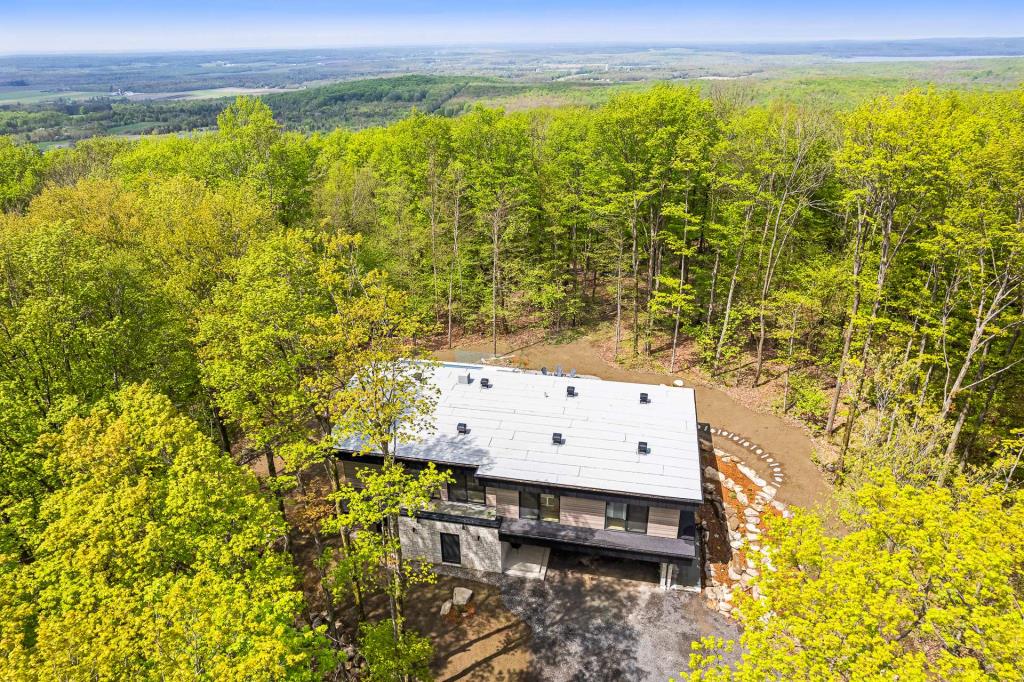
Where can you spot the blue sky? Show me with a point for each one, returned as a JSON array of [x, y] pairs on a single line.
[[116, 25]]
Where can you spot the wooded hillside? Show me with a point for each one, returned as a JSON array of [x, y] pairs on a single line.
[[168, 304]]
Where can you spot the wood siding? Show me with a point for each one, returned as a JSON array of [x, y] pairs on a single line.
[[578, 511], [506, 502], [663, 523]]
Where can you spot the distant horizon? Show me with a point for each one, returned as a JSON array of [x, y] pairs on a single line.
[[707, 45], [123, 27]]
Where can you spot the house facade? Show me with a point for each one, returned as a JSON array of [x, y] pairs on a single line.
[[569, 464]]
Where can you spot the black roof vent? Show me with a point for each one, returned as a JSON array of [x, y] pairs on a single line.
[[556, 439], [463, 429], [570, 391], [485, 382], [642, 448], [644, 399]]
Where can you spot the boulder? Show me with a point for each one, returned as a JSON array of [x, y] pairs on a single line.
[[461, 596], [751, 513], [752, 475], [713, 473], [734, 522], [734, 574], [769, 490], [446, 608], [741, 497]]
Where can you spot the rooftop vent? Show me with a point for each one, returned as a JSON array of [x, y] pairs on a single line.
[[642, 448], [556, 439], [466, 378], [463, 429], [644, 399], [570, 391], [485, 383]]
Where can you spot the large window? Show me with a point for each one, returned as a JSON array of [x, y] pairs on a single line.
[[538, 506], [529, 505], [451, 549], [627, 517], [466, 489], [548, 507], [687, 524]]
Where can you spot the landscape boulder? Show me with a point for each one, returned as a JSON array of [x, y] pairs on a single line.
[[446, 608], [461, 596]]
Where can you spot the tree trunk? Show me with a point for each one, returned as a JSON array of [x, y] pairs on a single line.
[[858, 264]]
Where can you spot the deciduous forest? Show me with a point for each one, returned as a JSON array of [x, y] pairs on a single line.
[[177, 311]]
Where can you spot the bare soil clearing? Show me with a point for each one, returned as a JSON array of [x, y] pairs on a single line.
[[789, 444]]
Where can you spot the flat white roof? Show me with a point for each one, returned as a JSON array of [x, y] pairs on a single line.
[[511, 426]]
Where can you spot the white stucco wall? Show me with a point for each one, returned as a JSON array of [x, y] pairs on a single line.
[[421, 538]]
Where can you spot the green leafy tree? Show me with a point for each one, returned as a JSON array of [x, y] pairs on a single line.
[[155, 557], [926, 585], [21, 171]]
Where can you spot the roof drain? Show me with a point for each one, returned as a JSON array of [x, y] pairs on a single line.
[[642, 448], [556, 439], [462, 428], [570, 391]]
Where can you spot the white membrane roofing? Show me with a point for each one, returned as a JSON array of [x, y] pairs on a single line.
[[511, 426]]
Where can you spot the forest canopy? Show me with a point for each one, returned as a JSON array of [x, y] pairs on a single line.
[[174, 309]]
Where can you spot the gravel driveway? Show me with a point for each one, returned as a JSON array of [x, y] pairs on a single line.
[[593, 627]]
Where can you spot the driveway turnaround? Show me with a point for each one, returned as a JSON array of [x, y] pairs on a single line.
[[590, 627]]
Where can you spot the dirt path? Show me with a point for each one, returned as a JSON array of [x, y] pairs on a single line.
[[789, 445]]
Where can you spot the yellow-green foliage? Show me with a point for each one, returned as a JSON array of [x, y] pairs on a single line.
[[926, 585], [155, 559]]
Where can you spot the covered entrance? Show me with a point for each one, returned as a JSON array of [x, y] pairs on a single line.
[[585, 563]]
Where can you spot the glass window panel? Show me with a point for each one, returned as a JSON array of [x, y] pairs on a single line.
[[475, 492], [549, 507], [687, 524], [636, 521], [529, 506], [615, 515], [451, 549]]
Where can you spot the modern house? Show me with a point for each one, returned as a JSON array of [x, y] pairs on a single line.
[[567, 463]]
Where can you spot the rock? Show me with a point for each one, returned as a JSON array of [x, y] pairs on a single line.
[[734, 522], [770, 491], [724, 606], [461, 596], [741, 497], [446, 608], [713, 473], [752, 528], [778, 505], [734, 574], [750, 512], [752, 475], [736, 544]]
